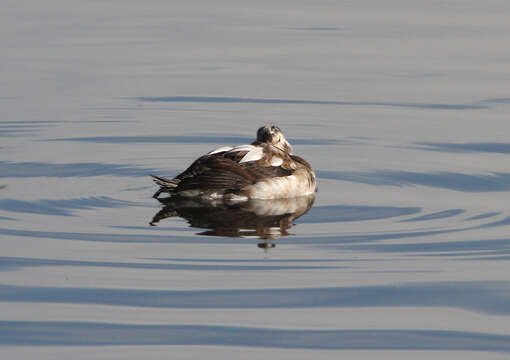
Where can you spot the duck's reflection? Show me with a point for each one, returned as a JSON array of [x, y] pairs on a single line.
[[265, 219]]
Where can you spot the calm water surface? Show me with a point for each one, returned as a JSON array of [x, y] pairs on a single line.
[[401, 108]]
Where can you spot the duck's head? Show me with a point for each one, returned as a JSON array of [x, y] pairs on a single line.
[[272, 134]]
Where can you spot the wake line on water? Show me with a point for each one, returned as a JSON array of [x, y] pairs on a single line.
[[243, 100]]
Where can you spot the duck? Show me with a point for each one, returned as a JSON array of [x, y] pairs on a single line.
[[264, 169]]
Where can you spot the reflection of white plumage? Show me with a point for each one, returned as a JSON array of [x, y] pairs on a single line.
[[264, 169]]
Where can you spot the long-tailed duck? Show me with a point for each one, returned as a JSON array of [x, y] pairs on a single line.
[[264, 169]]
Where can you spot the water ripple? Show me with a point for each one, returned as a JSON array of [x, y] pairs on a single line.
[[486, 297], [15, 128], [241, 100], [437, 215], [61, 207], [483, 216], [59, 333], [493, 182], [44, 169], [469, 247], [172, 238], [342, 213], [318, 28], [166, 139], [475, 147], [13, 263]]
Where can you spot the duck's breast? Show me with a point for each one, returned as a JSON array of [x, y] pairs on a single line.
[[300, 183]]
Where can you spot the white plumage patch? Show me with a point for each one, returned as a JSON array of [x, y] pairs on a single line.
[[254, 154], [276, 161], [245, 147], [221, 149], [281, 187]]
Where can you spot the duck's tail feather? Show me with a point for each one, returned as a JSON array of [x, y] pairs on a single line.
[[161, 181], [165, 184]]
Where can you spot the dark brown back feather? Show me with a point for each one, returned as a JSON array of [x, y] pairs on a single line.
[[215, 173], [302, 161], [263, 172]]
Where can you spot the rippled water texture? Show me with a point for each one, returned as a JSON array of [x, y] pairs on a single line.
[[400, 106]]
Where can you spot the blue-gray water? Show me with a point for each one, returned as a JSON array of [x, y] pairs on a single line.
[[401, 107]]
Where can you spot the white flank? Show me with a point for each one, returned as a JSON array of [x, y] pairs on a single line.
[[282, 187], [276, 161], [221, 149]]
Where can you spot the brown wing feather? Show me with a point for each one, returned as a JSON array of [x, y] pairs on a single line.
[[214, 173], [301, 161], [235, 155], [197, 167], [263, 172], [204, 163], [223, 170]]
